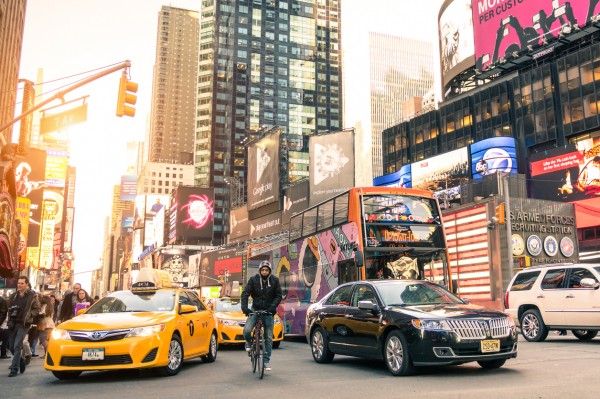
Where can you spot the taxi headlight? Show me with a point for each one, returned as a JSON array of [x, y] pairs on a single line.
[[58, 333], [146, 331], [227, 322], [435, 325]]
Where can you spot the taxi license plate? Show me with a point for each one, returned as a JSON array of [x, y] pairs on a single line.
[[490, 345], [93, 354]]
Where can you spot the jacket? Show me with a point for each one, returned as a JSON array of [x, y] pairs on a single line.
[[66, 308], [265, 296], [32, 307], [3, 310]]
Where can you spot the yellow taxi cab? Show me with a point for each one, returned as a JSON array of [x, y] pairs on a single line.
[[232, 320], [153, 325]]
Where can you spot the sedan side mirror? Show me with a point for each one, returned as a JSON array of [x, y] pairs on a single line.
[[367, 305]]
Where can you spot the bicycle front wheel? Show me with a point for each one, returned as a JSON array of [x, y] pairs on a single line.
[[261, 356]]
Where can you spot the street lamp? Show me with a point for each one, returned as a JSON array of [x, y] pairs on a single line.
[[236, 191]]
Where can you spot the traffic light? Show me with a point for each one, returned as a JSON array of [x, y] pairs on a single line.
[[126, 99], [524, 261], [500, 214]]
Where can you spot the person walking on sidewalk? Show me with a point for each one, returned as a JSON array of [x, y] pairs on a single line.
[[23, 306]]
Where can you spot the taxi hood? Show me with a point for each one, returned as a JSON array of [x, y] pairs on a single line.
[[231, 315], [115, 321]]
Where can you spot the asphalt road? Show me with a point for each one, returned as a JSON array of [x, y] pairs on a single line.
[[561, 367]]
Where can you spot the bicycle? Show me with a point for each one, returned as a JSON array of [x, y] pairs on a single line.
[[257, 348]]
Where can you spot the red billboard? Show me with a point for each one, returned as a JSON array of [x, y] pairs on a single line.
[[506, 27]]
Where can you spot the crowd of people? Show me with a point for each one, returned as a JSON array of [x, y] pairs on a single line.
[[28, 317]]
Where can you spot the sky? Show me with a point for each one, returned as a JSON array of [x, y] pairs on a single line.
[[70, 37]]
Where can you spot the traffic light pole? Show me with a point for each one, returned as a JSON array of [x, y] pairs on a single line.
[[61, 94], [505, 184]]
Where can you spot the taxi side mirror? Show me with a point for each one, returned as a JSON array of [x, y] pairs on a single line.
[[82, 311], [187, 309]]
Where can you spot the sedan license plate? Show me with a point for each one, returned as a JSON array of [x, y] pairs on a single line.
[[93, 354], [490, 345]]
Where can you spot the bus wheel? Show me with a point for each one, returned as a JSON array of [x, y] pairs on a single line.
[[319, 345]]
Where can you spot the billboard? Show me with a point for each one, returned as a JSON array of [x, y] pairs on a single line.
[[400, 178], [265, 225], [238, 224], [56, 168], [139, 212], [498, 154], [195, 208], [331, 165], [159, 227], [522, 26], [295, 200], [457, 49], [263, 171], [68, 233], [442, 174], [30, 178], [128, 187], [216, 267]]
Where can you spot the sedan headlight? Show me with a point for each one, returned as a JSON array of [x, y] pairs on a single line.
[[227, 322], [146, 331], [58, 333], [435, 325]]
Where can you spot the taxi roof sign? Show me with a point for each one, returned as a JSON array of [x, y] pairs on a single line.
[[152, 279]]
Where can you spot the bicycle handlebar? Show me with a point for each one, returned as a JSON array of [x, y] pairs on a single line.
[[259, 312]]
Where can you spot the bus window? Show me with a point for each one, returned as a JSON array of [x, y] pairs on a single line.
[[310, 222], [340, 210], [347, 271]]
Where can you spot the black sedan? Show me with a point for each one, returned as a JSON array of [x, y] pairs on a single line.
[[408, 323]]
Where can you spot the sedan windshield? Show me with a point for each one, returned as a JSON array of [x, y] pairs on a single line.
[[126, 301], [228, 305], [411, 293]]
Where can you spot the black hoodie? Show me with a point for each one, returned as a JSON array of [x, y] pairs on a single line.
[[265, 293]]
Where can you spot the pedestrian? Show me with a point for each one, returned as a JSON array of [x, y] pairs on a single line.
[[265, 290], [3, 328], [55, 304], [83, 301], [67, 307], [23, 305], [47, 324], [34, 332]]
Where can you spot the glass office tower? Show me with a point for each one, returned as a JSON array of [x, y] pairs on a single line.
[[263, 63]]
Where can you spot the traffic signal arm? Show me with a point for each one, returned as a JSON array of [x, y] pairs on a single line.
[[126, 99]]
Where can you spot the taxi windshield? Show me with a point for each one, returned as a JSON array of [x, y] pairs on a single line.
[[126, 301], [228, 305]]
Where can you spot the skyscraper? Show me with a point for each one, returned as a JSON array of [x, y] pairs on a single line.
[[174, 86], [400, 69], [263, 63], [12, 20]]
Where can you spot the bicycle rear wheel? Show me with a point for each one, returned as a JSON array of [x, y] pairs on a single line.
[[261, 355]]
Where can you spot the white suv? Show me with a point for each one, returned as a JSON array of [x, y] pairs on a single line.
[[556, 297]]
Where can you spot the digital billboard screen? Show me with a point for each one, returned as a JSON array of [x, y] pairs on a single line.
[[30, 180], [401, 178], [263, 171], [498, 154], [295, 200], [195, 213], [238, 224], [457, 51], [331, 165], [502, 27]]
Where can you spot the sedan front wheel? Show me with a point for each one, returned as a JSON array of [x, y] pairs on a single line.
[[397, 358], [319, 345]]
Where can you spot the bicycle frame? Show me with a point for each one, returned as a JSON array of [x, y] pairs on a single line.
[[258, 348]]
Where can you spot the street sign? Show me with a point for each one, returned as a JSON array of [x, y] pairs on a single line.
[[60, 120]]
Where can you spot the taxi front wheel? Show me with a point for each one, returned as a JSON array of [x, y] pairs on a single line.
[[212, 350], [175, 359]]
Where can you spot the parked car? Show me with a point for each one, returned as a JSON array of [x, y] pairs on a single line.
[[408, 323], [146, 327], [556, 297], [231, 322]]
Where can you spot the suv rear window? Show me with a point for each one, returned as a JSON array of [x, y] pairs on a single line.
[[524, 281]]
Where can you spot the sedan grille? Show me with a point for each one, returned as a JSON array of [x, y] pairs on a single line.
[[98, 336], [480, 328], [111, 360]]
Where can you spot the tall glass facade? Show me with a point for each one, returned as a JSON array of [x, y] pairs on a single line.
[[263, 63]]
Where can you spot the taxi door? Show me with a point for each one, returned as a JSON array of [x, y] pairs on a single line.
[[205, 322], [189, 326]]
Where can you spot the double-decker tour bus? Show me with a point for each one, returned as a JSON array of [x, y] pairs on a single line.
[[364, 233]]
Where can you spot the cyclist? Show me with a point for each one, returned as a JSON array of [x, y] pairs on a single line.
[[265, 290]]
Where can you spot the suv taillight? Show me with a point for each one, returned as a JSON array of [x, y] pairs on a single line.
[[506, 300]]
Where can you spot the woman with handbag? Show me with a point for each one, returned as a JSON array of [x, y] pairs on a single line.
[[46, 325]]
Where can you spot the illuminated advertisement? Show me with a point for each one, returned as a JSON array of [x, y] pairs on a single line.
[[498, 154], [22, 214], [216, 267], [331, 165], [177, 266], [128, 188], [457, 52], [49, 210], [68, 241], [400, 178], [30, 180], [154, 203], [442, 174], [139, 212], [263, 171], [504, 27], [56, 168], [195, 208]]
